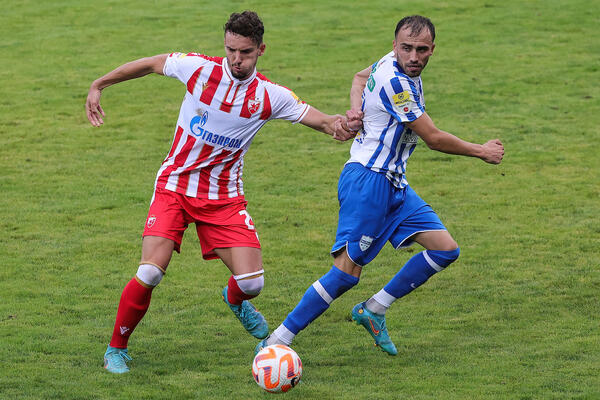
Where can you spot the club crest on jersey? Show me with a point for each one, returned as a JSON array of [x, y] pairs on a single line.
[[151, 221], [365, 242], [253, 105]]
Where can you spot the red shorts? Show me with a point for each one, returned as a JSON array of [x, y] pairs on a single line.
[[219, 223]]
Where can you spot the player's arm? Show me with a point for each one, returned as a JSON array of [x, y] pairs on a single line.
[[334, 125], [436, 139], [131, 70], [358, 85]]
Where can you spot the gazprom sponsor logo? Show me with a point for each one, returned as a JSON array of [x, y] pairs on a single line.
[[196, 127]]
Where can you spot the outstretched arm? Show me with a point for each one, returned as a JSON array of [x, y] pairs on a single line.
[[491, 152], [131, 70], [335, 125]]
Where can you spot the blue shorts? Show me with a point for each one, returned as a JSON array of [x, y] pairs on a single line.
[[373, 211]]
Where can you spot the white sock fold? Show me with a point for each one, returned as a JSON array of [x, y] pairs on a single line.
[[281, 335], [380, 302]]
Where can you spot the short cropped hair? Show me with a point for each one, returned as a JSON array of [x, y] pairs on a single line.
[[416, 23], [246, 24]]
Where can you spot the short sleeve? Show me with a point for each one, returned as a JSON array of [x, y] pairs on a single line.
[[285, 104], [402, 99], [182, 66]]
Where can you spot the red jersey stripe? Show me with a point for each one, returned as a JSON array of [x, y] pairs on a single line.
[[264, 78], [206, 172], [225, 177], [191, 83], [250, 94], [266, 112], [212, 85], [175, 142], [184, 176], [217, 60], [226, 106], [179, 160]]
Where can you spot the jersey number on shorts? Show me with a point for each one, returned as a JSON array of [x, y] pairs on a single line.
[[248, 220]]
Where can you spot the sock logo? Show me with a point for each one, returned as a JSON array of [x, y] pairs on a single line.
[[123, 329], [365, 242]]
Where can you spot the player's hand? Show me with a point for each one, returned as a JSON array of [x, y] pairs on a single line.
[[92, 107], [493, 151], [344, 130], [354, 115]]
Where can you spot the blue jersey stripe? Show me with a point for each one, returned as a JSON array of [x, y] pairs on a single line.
[[396, 85], [394, 146], [385, 142], [380, 146], [388, 105]]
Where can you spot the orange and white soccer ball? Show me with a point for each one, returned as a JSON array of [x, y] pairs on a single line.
[[277, 368]]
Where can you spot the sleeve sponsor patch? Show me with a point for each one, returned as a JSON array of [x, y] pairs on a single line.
[[296, 97], [402, 98]]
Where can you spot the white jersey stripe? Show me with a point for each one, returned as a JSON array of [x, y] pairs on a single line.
[[390, 99], [222, 113]]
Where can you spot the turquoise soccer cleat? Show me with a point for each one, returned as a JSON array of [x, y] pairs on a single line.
[[251, 319], [115, 360], [261, 345], [375, 325]]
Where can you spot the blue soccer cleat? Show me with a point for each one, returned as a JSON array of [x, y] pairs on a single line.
[[375, 325], [115, 360], [251, 319]]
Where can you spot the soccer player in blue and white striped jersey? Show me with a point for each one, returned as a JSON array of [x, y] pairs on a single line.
[[377, 204]]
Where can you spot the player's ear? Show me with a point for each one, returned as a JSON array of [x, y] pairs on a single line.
[[261, 49]]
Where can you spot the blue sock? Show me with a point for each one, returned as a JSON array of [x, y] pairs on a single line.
[[418, 270], [318, 297]]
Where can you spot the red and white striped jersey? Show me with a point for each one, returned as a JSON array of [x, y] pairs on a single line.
[[219, 117]]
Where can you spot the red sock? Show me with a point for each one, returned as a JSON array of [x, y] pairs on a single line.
[[134, 303], [235, 294]]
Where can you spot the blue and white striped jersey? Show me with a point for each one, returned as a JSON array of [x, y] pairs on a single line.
[[389, 99]]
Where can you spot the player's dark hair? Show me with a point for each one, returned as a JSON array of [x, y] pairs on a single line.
[[246, 24], [416, 23]]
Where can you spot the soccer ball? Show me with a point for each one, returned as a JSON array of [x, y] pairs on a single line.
[[277, 368]]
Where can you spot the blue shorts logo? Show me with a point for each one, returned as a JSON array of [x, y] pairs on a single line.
[[197, 123], [365, 242]]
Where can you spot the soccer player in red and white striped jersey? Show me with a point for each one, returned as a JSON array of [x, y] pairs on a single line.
[[200, 181]]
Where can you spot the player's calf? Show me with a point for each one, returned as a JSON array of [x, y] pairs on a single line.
[[236, 294]]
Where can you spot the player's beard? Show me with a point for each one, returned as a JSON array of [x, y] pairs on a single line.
[[415, 71], [239, 74]]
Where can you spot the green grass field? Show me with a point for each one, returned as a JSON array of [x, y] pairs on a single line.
[[515, 318]]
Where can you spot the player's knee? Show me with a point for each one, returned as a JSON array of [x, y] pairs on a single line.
[[251, 283], [150, 274], [443, 258]]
